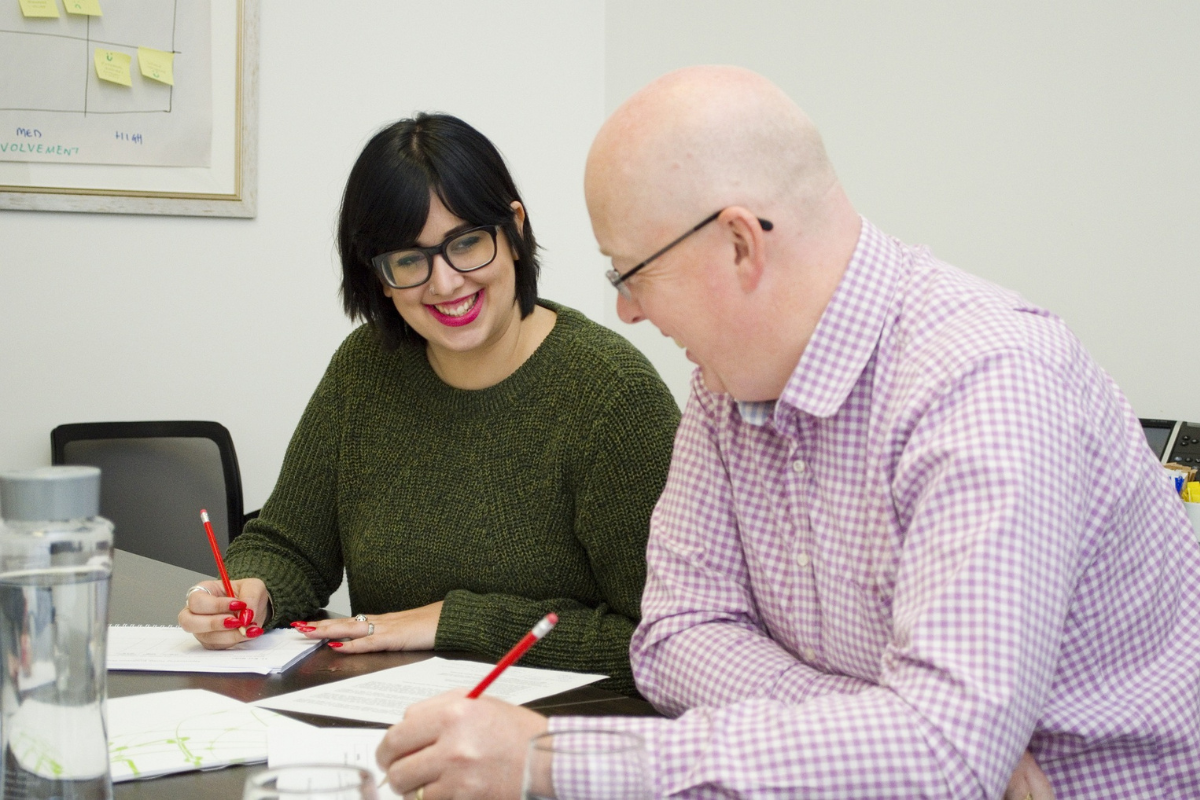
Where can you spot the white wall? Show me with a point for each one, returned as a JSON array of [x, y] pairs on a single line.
[[1050, 147], [109, 317]]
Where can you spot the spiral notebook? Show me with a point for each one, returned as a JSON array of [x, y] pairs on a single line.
[[169, 648]]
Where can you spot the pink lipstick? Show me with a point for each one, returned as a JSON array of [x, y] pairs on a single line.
[[465, 319]]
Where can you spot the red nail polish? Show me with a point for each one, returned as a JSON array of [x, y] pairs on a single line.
[[246, 616], [253, 632], [237, 605], [299, 624], [306, 629], [335, 644], [231, 622]]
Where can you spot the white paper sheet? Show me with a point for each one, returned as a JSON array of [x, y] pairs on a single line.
[[382, 696], [304, 746], [189, 729], [168, 648]]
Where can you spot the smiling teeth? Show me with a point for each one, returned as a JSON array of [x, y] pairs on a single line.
[[459, 308]]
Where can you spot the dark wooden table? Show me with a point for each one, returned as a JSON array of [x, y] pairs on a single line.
[[149, 592]]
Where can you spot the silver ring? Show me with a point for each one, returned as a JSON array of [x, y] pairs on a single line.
[[192, 590], [360, 617], [370, 628]]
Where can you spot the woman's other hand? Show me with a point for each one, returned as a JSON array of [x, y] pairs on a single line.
[[414, 629], [219, 622]]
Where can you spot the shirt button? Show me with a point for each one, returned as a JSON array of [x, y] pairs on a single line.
[[802, 559], [810, 655], [797, 466]]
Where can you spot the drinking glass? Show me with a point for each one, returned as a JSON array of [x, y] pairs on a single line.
[[314, 782], [55, 566], [594, 764]]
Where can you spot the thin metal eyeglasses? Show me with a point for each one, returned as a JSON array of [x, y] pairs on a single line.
[[618, 279], [465, 251]]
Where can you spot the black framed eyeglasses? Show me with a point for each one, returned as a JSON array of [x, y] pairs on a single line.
[[617, 279], [465, 251]]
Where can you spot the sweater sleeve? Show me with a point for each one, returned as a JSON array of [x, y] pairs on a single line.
[[622, 472], [293, 546]]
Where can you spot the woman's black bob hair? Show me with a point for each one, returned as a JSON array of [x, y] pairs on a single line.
[[387, 200]]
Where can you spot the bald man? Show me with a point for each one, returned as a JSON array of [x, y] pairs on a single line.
[[910, 527]]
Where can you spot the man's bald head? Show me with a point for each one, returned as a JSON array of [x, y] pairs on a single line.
[[700, 139], [743, 301]]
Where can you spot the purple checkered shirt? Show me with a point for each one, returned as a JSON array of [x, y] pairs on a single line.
[[948, 541]]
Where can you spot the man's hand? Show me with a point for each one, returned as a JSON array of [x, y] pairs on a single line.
[[1028, 782], [450, 746]]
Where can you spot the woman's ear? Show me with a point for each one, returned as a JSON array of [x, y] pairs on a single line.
[[519, 221]]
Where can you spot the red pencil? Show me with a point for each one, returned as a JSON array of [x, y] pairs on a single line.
[[212, 541], [245, 616], [541, 629]]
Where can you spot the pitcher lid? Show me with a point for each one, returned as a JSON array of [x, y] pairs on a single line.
[[50, 493]]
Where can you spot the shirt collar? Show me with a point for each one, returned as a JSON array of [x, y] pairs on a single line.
[[756, 413], [849, 328]]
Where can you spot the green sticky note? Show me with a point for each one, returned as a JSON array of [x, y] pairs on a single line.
[[113, 67], [39, 8], [157, 65], [90, 8]]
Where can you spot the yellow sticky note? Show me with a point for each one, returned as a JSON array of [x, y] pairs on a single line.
[[157, 65], [1191, 492], [39, 8], [89, 8], [113, 67]]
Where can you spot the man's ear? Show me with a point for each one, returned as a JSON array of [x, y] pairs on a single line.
[[749, 246]]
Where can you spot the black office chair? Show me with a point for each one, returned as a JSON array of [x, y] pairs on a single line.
[[154, 479]]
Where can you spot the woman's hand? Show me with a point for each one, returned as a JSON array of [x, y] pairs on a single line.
[[219, 622], [414, 629]]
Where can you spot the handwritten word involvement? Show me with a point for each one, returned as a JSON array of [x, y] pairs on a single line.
[[38, 149]]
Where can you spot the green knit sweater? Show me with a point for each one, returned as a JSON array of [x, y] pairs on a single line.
[[530, 496]]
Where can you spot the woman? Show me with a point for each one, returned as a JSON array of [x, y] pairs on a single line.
[[474, 457]]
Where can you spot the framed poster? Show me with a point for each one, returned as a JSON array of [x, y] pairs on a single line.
[[146, 107]]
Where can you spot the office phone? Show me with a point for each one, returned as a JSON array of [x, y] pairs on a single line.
[[1173, 440]]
